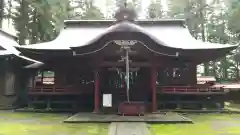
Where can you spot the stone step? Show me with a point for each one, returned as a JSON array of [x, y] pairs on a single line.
[[128, 128]]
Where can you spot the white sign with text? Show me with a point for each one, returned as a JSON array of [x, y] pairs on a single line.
[[107, 100]]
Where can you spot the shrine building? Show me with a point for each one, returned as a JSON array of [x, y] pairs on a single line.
[[122, 66]]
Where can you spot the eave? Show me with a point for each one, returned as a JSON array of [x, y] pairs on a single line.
[[7, 42]]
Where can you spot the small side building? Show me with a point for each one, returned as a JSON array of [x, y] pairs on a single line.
[[12, 74]]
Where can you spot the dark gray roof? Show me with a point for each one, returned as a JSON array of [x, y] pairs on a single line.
[[1, 48], [7, 43], [168, 33]]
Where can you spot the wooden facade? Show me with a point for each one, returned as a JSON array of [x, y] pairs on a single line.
[[12, 75], [88, 60], [8, 72]]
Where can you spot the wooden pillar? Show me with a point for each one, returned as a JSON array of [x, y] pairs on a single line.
[[153, 87], [97, 93], [192, 74]]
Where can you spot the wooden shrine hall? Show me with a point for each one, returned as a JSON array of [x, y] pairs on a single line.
[[124, 66]]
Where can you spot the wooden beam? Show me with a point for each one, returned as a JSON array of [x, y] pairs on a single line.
[[120, 64]]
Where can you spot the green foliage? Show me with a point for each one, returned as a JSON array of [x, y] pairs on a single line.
[[136, 5], [234, 4], [91, 12], [42, 20], [86, 11], [179, 9], [234, 20], [155, 10]]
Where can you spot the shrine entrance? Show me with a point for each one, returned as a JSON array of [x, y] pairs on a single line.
[[113, 82]]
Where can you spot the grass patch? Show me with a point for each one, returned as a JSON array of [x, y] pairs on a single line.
[[12, 123], [205, 124]]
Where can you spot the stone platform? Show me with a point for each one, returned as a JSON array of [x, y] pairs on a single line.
[[44, 110], [108, 118], [227, 110]]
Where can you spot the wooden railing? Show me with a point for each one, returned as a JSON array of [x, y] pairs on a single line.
[[53, 90], [191, 90]]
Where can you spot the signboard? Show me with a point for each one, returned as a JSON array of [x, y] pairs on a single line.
[[107, 100]]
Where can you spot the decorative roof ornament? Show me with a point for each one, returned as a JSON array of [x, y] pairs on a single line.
[[124, 13], [125, 42]]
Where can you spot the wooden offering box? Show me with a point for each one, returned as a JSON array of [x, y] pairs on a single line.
[[131, 108]]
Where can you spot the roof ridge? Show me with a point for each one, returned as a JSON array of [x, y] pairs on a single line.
[[69, 23]]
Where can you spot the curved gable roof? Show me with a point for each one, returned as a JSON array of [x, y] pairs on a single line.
[[168, 37], [168, 33]]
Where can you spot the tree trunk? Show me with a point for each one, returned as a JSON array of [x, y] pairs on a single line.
[[202, 17], [237, 72], [1, 12], [225, 68], [41, 32], [214, 69], [35, 28], [23, 29], [9, 16]]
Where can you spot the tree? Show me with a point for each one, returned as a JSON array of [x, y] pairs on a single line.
[[234, 30], [1, 12], [85, 10], [21, 19], [155, 10], [110, 9], [179, 9], [91, 12], [136, 5]]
